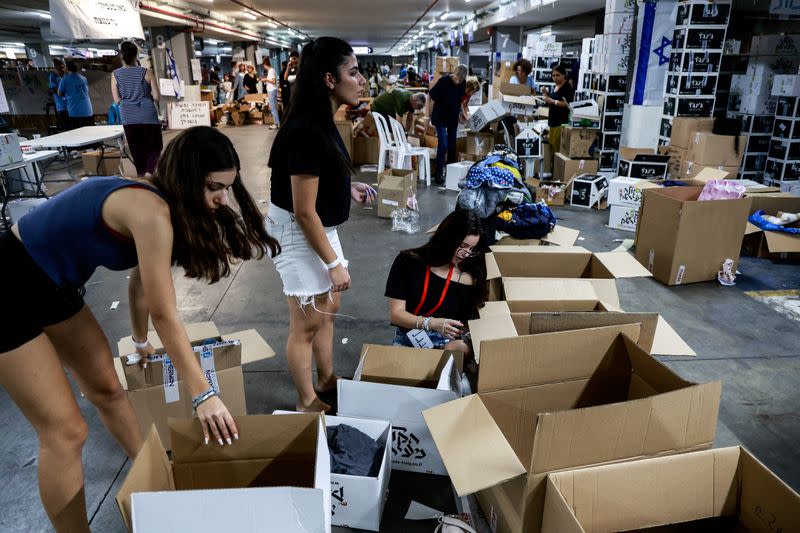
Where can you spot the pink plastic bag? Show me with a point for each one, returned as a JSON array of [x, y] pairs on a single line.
[[721, 190]]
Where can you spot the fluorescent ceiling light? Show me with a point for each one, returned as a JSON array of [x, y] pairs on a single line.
[[248, 15], [547, 33], [432, 24], [44, 15], [212, 41], [271, 24], [444, 15]]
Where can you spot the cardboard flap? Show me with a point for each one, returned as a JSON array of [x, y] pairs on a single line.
[[667, 341], [260, 436], [622, 265], [562, 236], [492, 270], [195, 331], [547, 357], [322, 468], [606, 290], [750, 228], [254, 347], [533, 289], [398, 363], [457, 428], [710, 173], [493, 309], [494, 327], [398, 403], [150, 471], [778, 241]]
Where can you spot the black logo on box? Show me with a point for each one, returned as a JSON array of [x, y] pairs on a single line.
[[337, 497], [406, 445]]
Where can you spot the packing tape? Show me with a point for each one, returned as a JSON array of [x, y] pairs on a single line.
[[680, 274], [207, 364], [651, 260], [172, 392]]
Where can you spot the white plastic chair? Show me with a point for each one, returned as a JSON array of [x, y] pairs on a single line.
[[387, 143], [406, 152]]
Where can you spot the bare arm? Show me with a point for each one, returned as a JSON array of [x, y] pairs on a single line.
[[154, 90], [114, 90], [409, 120], [138, 307], [402, 318]]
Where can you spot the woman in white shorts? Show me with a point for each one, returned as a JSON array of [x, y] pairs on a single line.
[[310, 196]]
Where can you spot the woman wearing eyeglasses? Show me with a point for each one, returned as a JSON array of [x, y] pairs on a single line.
[[435, 289]]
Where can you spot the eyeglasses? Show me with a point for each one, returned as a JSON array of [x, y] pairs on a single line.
[[466, 251]]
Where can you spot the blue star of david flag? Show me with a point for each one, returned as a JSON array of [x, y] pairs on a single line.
[[655, 24], [172, 73]]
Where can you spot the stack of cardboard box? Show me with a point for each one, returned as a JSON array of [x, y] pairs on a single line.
[[783, 164], [624, 199], [395, 187], [444, 65]]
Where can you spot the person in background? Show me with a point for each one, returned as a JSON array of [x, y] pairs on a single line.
[[75, 89], [226, 89], [289, 75], [204, 74], [412, 78], [250, 81], [270, 81], [310, 197], [238, 81], [397, 103], [446, 95], [425, 78], [179, 218], [558, 106], [214, 81], [435, 289], [473, 86], [522, 75], [54, 79], [135, 90], [403, 72]]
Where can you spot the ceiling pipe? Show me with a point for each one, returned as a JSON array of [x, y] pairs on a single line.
[[273, 19], [431, 6], [201, 23]]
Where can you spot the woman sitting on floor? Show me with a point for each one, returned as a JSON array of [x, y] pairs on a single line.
[[435, 289]]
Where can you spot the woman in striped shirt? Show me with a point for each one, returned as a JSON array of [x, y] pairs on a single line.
[[135, 90]]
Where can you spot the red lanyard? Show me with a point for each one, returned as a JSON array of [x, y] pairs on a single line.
[[425, 292]]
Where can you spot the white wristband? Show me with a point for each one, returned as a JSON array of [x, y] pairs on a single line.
[[333, 264], [140, 345]]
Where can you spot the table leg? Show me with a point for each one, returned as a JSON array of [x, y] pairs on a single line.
[[65, 150]]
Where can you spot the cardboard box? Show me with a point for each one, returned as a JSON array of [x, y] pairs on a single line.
[[690, 171], [624, 217], [579, 142], [684, 128], [446, 65], [558, 236], [550, 192], [289, 454], [567, 262], [366, 150], [357, 501], [676, 157], [469, 157], [561, 400], [708, 149], [111, 163], [565, 169], [681, 240], [589, 190], [479, 143], [656, 336], [514, 89], [485, 114], [642, 163], [772, 244], [10, 150], [456, 172], [146, 389], [397, 383], [625, 191], [395, 186], [725, 489]]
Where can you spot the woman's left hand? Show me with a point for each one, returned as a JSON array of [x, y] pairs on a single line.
[[362, 193]]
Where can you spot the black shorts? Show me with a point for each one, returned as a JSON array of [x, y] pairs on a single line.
[[30, 299]]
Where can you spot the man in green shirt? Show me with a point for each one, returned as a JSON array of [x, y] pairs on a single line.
[[397, 103]]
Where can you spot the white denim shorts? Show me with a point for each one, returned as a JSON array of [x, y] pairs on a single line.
[[302, 271]]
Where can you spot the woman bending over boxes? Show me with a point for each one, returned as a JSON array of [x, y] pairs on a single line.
[[435, 289]]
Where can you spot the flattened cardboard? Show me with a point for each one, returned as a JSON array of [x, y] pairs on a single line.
[[623, 405], [654, 492]]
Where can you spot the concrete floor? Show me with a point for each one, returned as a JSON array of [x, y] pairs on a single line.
[[753, 349]]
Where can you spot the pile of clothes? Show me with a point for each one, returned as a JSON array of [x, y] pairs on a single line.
[[493, 188]]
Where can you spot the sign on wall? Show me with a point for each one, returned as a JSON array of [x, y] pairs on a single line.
[[188, 114], [96, 19]]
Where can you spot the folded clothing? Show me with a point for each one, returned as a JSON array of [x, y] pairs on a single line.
[[353, 452]]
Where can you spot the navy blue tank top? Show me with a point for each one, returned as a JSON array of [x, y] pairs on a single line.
[[67, 237]]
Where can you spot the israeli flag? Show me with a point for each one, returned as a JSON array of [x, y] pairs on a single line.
[[172, 73], [655, 24]]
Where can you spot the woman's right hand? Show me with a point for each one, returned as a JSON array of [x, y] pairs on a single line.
[[340, 278], [217, 421]]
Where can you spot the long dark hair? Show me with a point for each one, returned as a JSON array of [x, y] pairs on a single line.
[[204, 244], [128, 51], [310, 101], [441, 247]]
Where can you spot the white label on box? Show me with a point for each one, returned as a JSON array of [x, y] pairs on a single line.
[[172, 393], [420, 339], [581, 164], [679, 276], [651, 260], [207, 363], [390, 202]]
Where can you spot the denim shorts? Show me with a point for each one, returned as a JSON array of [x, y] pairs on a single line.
[[401, 339]]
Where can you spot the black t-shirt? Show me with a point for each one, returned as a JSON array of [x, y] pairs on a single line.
[[250, 82], [407, 280], [446, 97], [559, 115], [299, 149]]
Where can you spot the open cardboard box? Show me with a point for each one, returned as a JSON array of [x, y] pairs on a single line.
[[523, 295], [772, 244], [501, 331], [720, 490], [210, 488], [682, 240], [396, 383], [558, 236], [572, 398], [146, 389], [563, 262], [357, 501]]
